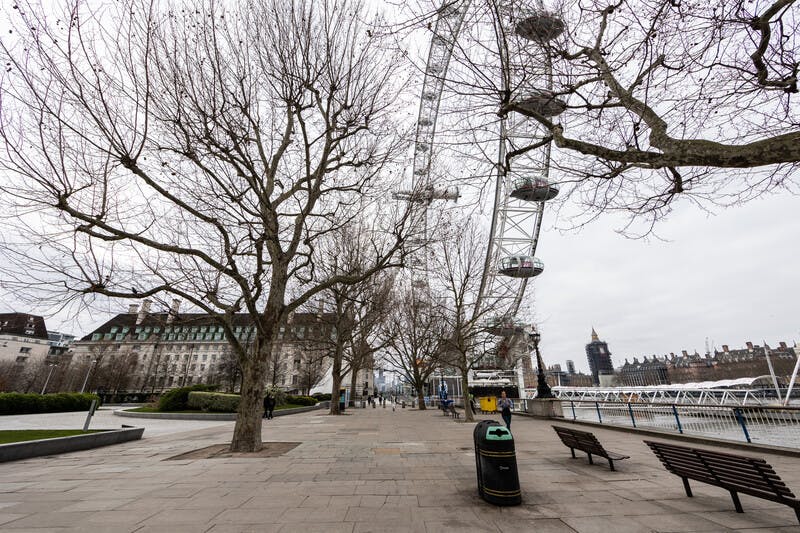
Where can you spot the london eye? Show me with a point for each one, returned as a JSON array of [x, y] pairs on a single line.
[[520, 178]]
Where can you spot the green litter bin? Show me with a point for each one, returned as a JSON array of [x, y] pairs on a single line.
[[496, 458]]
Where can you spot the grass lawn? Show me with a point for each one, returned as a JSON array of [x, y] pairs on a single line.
[[150, 409], [20, 435]]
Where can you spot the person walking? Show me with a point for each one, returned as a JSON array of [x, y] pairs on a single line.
[[505, 404], [269, 405]]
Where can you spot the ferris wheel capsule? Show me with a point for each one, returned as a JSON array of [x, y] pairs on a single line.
[[504, 326], [520, 266], [544, 103], [541, 27], [533, 190]]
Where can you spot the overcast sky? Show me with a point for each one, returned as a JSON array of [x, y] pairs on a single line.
[[731, 277]]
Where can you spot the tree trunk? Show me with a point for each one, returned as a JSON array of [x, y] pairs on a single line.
[[353, 384], [421, 399], [247, 432], [337, 383], [468, 416]]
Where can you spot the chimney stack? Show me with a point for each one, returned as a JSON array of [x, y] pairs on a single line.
[[143, 312], [783, 345], [685, 353], [725, 348], [133, 309], [173, 310], [749, 346]]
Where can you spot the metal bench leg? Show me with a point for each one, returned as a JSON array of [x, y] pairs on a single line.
[[611, 464], [686, 487], [736, 502], [590, 459], [572, 451]]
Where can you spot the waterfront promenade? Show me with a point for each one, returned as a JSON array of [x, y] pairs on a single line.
[[369, 470]]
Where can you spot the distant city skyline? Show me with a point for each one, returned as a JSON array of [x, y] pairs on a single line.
[[729, 277]]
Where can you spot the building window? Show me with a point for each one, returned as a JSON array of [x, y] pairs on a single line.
[[25, 350], [21, 359]]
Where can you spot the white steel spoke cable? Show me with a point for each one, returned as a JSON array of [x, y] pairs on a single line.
[[515, 221]]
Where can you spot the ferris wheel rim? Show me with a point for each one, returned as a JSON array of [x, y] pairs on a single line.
[[436, 67]]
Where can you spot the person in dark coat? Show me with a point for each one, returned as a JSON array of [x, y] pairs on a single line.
[[506, 405], [269, 405]]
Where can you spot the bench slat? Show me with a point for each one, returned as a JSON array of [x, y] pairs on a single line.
[[759, 475], [735, 473], [586, 442]]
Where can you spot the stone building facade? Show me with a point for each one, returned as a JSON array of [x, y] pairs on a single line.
[[750, 361], [141, 351], [23, 338]]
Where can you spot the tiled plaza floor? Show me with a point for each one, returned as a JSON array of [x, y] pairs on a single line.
[[370, 470]]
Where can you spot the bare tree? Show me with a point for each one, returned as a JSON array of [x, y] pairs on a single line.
[[643, 102], [459, 266], [313, 365], [13, 376], [198, 153], [369, 320], [414, 333], [354, 313], [227, 373]]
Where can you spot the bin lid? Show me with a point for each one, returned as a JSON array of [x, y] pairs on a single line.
[[498, 433]]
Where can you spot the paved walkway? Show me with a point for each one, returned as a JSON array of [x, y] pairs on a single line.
[[370, 470]]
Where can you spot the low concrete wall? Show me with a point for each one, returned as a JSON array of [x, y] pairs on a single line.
[[543, 408], [696, 439], [74, 443], [211, 416]]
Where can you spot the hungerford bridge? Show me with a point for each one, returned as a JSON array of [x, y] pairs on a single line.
[[742, 391]]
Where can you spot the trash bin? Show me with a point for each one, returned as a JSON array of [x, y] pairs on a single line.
[[480, 429], [342, 399], [488, 404], [496, 464]]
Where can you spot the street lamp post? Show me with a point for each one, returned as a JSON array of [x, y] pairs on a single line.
[[50, 373], [89, 371], [542, 388]]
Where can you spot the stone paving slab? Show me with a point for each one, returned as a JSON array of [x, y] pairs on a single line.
[[369, 470]]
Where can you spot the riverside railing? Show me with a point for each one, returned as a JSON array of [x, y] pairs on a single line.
[[779, 426]]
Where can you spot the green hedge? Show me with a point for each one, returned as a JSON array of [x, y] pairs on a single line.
[[215, 402], [322, 397], [177, 399], [301, 400], [15, 403]]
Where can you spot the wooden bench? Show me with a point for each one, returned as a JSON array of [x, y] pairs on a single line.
[[451, 410], [586, 442], [734, 473]]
